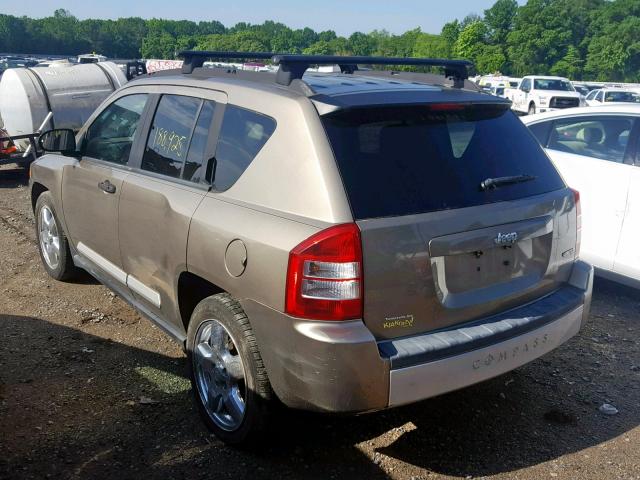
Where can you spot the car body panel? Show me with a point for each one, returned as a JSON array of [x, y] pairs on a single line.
[[267, 238], [153, 225], [422, 272], [627, 261], [91, 215], [604, 202]]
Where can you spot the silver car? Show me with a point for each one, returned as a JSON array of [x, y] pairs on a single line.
[[342, 242]]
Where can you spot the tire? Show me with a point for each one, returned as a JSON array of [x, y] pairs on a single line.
[[532, 109], [52, 241], [216, 380]]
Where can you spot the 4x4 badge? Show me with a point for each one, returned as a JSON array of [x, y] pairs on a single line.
[[506, 238]]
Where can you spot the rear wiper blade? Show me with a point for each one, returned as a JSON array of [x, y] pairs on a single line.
[[501, 181]]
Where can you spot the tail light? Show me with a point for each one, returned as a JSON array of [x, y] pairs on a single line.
[[576, 196], [324, 277]]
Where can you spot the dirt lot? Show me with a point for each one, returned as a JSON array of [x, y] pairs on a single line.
[[88, 389]]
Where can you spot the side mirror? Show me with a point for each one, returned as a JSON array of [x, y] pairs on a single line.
[[61, 140]]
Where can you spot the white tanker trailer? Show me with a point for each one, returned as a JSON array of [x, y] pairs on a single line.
[[40, 98]]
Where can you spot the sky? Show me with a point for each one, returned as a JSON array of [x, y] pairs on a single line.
[[345, 17]]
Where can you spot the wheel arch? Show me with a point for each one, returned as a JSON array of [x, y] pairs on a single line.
[[37, 189], [192, 289]]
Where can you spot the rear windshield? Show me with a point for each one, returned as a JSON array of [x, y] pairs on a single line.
[[405, 160]]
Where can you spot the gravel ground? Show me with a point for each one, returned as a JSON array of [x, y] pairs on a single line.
[[88, 389]]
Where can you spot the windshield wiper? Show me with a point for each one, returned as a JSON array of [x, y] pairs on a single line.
[[501, 181]]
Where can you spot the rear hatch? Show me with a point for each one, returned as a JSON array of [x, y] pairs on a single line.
[[441, 248]]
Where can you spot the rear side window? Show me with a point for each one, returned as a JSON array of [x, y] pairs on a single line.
[[600, 137], [406, 160], [170, 135], [242, 136]]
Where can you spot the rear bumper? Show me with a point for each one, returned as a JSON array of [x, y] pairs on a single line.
[[340, 367], [429, 379]]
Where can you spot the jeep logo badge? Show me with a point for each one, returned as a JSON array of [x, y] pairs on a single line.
[[506, 238]]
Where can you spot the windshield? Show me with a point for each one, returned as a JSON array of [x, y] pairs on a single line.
[[552, 84], [405, 160], [627, 97]]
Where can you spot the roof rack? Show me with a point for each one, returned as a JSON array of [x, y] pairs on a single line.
[[292, 67], [196, 58]]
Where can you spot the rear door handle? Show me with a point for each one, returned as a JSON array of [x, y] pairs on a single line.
[[107, 186]]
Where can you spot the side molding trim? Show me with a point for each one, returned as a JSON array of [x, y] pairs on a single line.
[[113, 270], [145, 292], [120, 275]]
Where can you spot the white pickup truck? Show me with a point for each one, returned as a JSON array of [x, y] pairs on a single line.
[[544, 94]]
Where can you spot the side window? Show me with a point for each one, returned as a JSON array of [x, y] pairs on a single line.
[[600, 137], [196, 161], [526, 85], [600, 96], [111, 135], [242, 135], [170, 134], [592, 94], [541, 131]]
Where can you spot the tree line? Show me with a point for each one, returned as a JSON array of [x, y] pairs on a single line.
[[580, 39]]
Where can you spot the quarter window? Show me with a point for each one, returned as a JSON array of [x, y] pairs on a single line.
[[600, 137], [111, 135], [242, 136], [541, 131], [197, 156], [170, 134]]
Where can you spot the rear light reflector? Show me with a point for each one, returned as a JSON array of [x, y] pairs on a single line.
[[330, 289], [576, 197], [324, 276]]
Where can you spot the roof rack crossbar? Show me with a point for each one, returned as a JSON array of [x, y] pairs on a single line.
[[196, 58], [293, 66]]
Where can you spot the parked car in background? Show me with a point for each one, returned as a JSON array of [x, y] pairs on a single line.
[[598, 153], [581, 89], [344, 242], [537, 94], [611, 95]]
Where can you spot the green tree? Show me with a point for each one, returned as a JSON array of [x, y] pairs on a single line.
[[615, 54], [430, 46], [158, 45], [321, 47], [490, 59], [570, 65], [499, 19], [614, 46], [544, 29], [449, 34], [13, 34], [361, 44], [471, 40]]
